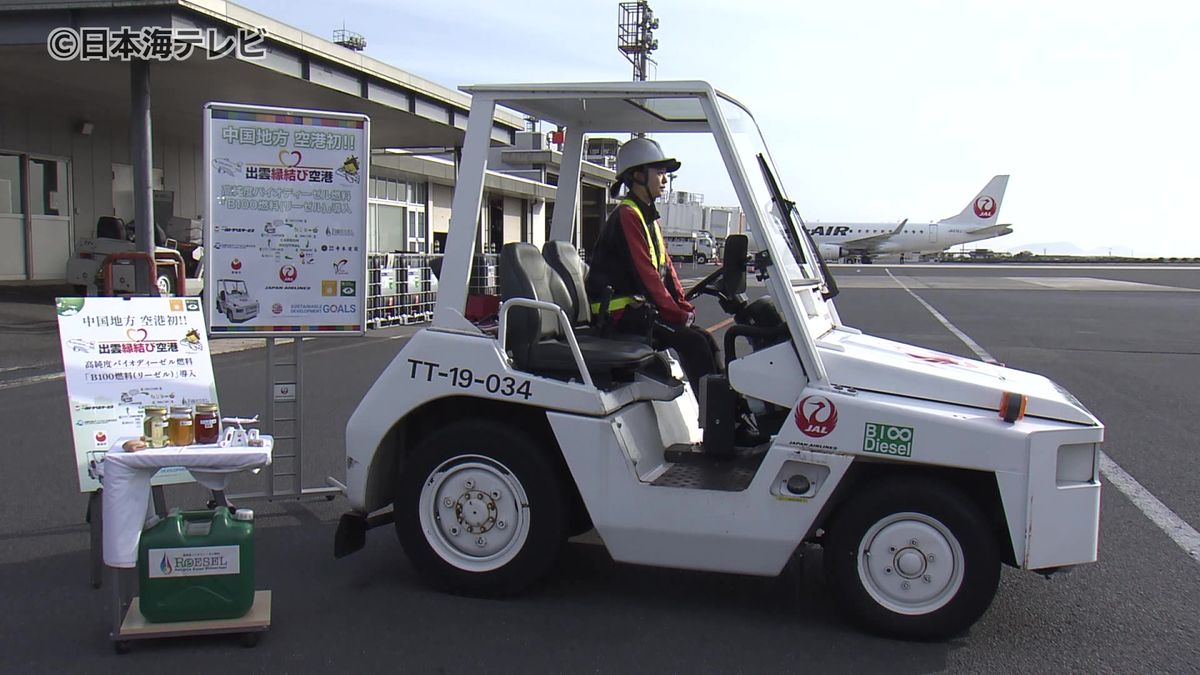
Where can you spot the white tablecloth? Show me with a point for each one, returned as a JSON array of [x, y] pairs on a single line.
[[127, 502]]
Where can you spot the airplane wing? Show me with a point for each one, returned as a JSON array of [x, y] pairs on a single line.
[[870, 243]]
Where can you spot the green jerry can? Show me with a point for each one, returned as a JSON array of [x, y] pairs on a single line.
[[197, 565]]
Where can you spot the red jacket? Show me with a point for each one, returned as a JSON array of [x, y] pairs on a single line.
[[664, 291]]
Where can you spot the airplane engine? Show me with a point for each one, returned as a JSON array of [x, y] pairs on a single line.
[[832, 252]]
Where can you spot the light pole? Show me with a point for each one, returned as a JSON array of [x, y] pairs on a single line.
[[635, 35]]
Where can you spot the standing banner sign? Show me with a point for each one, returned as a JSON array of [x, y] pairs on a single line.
[[286, 220], [122, 354]]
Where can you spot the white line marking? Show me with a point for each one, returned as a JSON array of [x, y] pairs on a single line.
[[979, 351], [30, 380], [9, 369], [1167, 520], [1158, 513]]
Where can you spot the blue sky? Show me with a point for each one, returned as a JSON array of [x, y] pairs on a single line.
[[875, 110]]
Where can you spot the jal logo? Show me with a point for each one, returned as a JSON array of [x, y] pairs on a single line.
[[816, 416], [277, 308], [288, 274], [235, 264], [101, 437], [985, 207]]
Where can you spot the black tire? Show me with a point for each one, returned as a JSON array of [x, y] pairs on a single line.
[[873, 594], [442, 511], [701, 259], [166, 283]]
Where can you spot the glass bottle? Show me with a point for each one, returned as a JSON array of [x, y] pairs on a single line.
[[179, 425], [154, 426], [207, 425]]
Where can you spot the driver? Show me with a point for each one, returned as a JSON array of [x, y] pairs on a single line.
[[631, 258]]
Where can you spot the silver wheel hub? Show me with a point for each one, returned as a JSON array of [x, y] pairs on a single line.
[[474, 513], [910, 563]]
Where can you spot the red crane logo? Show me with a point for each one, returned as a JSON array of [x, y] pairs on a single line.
[[816, 416], [985, 207]]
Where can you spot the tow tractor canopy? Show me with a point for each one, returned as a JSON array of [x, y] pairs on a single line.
[[798, 282]]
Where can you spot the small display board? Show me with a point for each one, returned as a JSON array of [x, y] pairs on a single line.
[[286, 220], [122, 354]]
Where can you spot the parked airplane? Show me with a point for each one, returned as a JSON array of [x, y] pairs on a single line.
[[863, 241]]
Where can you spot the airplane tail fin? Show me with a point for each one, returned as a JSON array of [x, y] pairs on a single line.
[[984, 209]]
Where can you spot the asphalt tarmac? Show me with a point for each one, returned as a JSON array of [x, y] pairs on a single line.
[[1121, 339]]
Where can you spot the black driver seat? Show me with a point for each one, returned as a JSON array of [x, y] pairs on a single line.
[[536, 338], [564, 259]]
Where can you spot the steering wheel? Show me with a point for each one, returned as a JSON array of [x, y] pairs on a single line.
[[732, 274]]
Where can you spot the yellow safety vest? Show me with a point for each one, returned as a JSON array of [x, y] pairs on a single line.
[[657, 256]]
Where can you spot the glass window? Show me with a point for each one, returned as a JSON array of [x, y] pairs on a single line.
[[389, 228], [47, 187], [674, 109], [10, 184], [393, 191], [749, 147]]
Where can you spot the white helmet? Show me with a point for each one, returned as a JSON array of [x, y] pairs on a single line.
[[639, 152]]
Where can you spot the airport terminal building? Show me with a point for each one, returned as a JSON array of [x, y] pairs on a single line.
[[67, 158]]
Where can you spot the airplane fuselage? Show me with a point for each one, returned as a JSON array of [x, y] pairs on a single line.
[[914, 238]]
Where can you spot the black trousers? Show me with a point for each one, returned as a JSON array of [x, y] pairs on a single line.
[[697, 350]]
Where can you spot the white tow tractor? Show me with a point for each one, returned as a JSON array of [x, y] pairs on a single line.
[[919, 472], [234, 301], [114, 238]]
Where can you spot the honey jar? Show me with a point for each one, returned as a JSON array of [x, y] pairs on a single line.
[[154, 426], [207, 423], [179, 426]]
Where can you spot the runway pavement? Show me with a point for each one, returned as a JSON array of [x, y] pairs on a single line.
[[1121, 339]]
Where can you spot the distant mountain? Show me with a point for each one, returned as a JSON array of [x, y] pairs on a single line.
[[1068, 248]]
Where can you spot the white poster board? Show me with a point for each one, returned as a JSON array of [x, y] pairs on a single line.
[[121, 354], [286, 220]]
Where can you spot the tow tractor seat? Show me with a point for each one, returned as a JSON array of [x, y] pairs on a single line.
[[564, 259], [111, 227], [536, 338]]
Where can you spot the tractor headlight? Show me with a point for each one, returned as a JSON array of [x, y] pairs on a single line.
[[1076, 463]]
